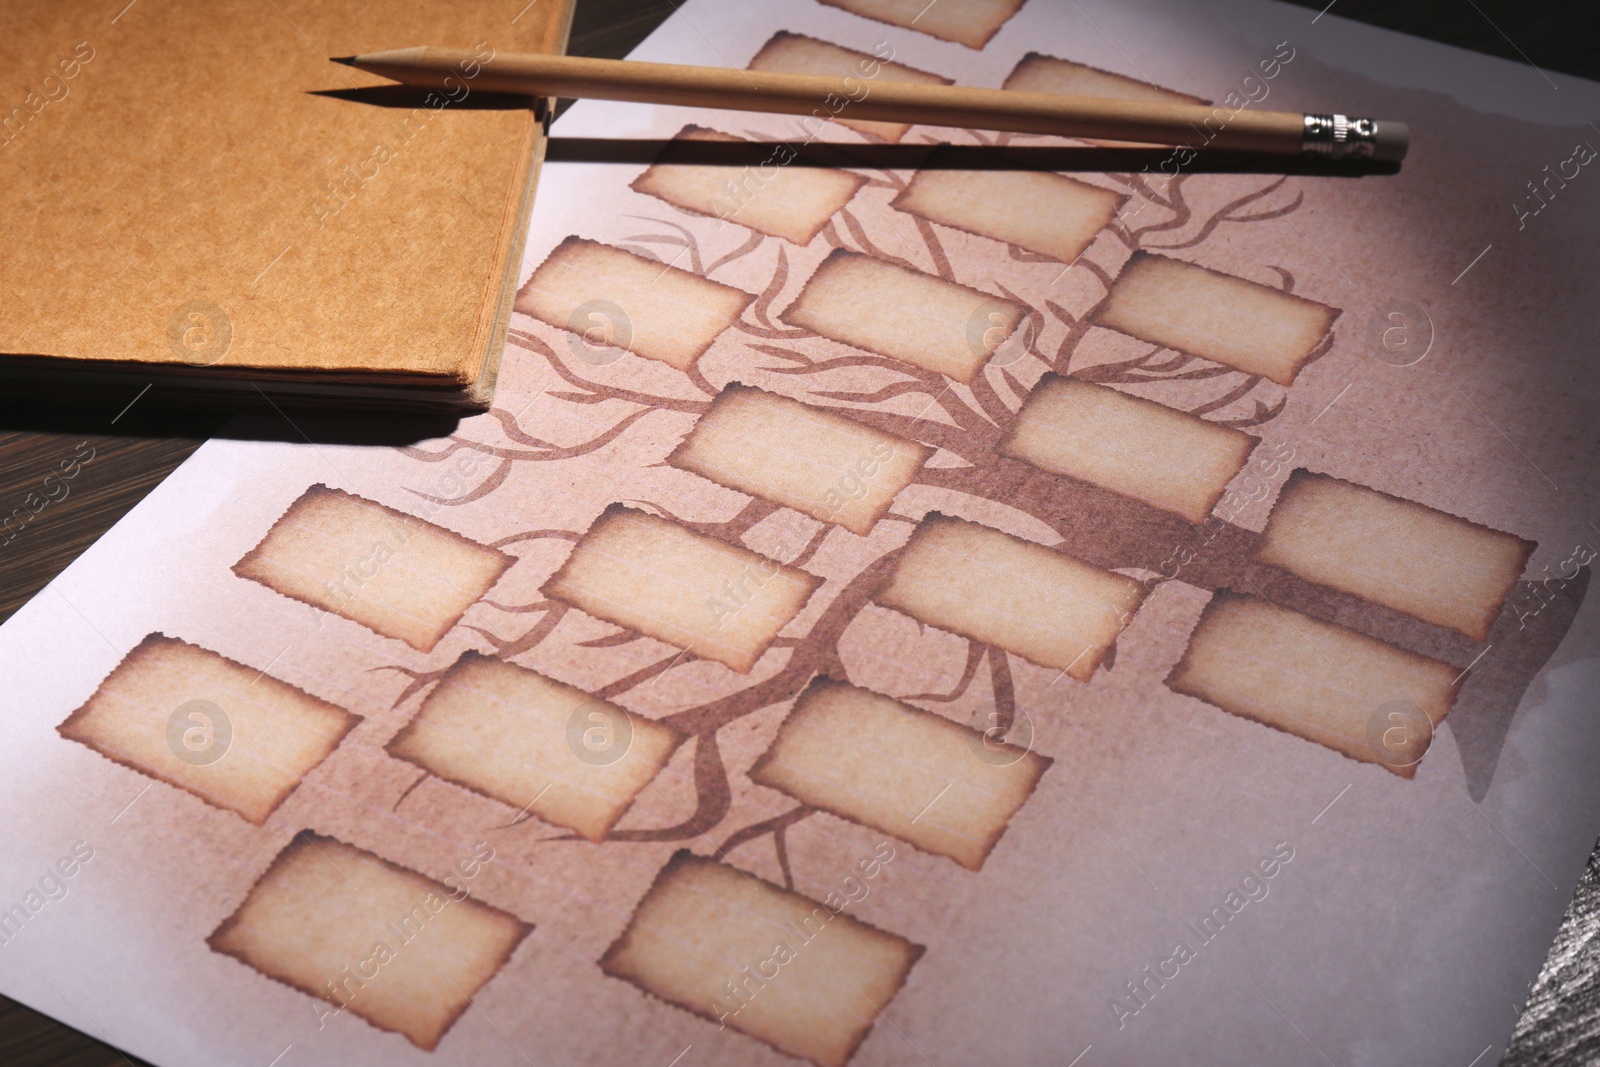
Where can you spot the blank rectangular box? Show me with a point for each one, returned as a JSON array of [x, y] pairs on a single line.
[[942, 786], [528, 741], [705, 929], [1355, 694], [969, 22], [232, 735], [403, 952], [391, 572], [821, 463], [1219, 317], [1038, 211], [720, 601], [612, 298], [793, 53], [1038, 73], [989, 586], [768, 196], [905, 314], [1398, 553], [1167, 458]]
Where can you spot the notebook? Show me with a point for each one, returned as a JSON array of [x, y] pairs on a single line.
[[196, 198]]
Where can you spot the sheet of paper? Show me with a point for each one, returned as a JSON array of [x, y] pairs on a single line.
[[1292, 790]]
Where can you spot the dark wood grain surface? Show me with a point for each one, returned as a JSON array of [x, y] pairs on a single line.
[[134, 445]]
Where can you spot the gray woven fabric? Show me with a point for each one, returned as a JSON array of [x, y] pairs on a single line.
[[1561, 1023]]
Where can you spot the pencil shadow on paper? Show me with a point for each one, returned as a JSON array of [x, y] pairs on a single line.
[[408, 97], [884, 156]]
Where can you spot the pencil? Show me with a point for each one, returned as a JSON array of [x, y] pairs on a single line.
[[1098, 118]]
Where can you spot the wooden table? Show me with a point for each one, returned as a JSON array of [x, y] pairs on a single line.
[[137, 446]]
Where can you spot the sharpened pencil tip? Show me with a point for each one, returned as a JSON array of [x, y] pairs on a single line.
[[348, 61]]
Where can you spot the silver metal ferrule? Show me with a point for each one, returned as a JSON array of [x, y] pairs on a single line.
[[1339, 137]]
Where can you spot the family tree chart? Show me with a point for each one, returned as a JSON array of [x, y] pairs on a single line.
[[1058, 360]]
